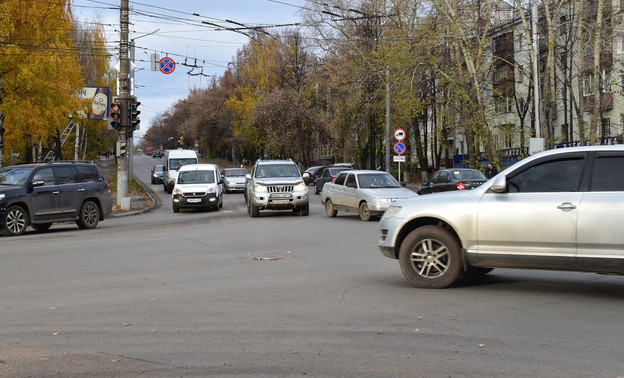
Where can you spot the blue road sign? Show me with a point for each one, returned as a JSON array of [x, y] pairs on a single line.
[[399, 148], [167, 65]]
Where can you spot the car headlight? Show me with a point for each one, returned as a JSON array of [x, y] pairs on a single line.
[[392, 211], [300, 187], [259, 188], [176, 192], [211, 190]]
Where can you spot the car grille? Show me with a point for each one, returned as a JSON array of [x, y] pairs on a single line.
[[193, 194], [280, 188]]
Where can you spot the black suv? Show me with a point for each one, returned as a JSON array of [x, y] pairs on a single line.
[[39, 194]]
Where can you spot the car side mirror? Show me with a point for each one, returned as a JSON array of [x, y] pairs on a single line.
[[403, 184], [500, 184], [306, 175], [248, 176]]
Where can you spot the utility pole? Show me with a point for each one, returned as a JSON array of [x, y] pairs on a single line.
[[124, 98]]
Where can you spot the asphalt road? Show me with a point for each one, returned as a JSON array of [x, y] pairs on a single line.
[[219, 293]]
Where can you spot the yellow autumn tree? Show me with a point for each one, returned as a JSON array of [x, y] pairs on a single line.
[[39, 75]]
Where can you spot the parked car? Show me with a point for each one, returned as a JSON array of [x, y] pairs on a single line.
[[327, 175], [562, 209], [157, 174], [276, 185], [368, 193], [312, 173], [234, 179], [40, 194], [197, 186], [452, 179]]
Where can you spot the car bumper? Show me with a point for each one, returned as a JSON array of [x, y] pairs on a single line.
[[235, 187], [208, 200], [278, 201], [388, 229]]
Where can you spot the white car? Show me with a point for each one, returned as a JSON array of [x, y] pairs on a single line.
[[198, 186], [562, 209], [368, 193]]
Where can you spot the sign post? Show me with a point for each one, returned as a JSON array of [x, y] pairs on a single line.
[[399, 148]]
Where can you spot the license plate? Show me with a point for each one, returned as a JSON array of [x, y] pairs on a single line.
[[193, 200], [280, 202]]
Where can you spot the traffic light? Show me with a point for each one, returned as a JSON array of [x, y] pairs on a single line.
[[134, 113], [122, 149], [114, 118]]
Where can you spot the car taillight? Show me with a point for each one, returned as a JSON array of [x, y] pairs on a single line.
[[333, 178], [109, 189], [460, 186]]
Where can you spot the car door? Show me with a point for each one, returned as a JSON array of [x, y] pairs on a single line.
[[349, 199], [442, 183], [428, 187], [534, 223], [334, 190], [601, 215], [44, 198], [71, 192]]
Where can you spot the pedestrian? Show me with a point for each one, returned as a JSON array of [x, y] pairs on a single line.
[[491, 171]]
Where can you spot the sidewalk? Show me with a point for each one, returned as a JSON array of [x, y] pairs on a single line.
[[140, 202]]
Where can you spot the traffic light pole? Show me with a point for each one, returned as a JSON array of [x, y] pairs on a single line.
[[124, 132]]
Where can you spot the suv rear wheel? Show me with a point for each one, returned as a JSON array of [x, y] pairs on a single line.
[[89, 215], [15, 221], [430, 257]]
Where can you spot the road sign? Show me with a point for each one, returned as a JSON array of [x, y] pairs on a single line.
[[398, 158], [399, 134], [167, 65], [399, 148]]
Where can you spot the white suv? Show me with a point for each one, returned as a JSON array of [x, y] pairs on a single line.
[[276, 185]]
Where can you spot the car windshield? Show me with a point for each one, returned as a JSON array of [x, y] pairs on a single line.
[[158, 168], [14, 176], [277, 170], [469, 175], [196, 177], [175, 164], [235, 172], [377, 180]]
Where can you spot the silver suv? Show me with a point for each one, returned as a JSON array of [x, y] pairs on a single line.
[[562, 209], [276, 185]]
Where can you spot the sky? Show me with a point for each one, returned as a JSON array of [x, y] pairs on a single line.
[[177, 29]]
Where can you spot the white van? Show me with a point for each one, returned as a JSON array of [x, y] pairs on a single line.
[[198, 186], [174, 159]]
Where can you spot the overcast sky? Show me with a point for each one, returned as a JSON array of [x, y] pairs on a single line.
[[180, 32]]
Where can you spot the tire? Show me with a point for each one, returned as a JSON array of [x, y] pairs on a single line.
[[255, 211], [430, 257], [41, 227], [364, 212], [248, 207], [316, 191], [304, 210], [176, 209], [220, 201], [329, 209], [15, 221], [89, 215]]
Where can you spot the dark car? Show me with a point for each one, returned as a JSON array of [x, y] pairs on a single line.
[[446, 180], [157, 174], [312, 172], [40, 194], [327, 175], [157, 154]]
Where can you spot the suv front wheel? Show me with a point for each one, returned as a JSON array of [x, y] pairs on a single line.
[[89, 215], [430, 257], [15, 221]]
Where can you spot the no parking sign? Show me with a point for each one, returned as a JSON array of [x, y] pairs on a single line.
[[167, 65]]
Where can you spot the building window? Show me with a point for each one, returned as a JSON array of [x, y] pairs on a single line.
[[619, 43], [588, 81], [503, 104]]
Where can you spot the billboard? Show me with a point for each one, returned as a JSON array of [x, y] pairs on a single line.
[[99, 101]]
